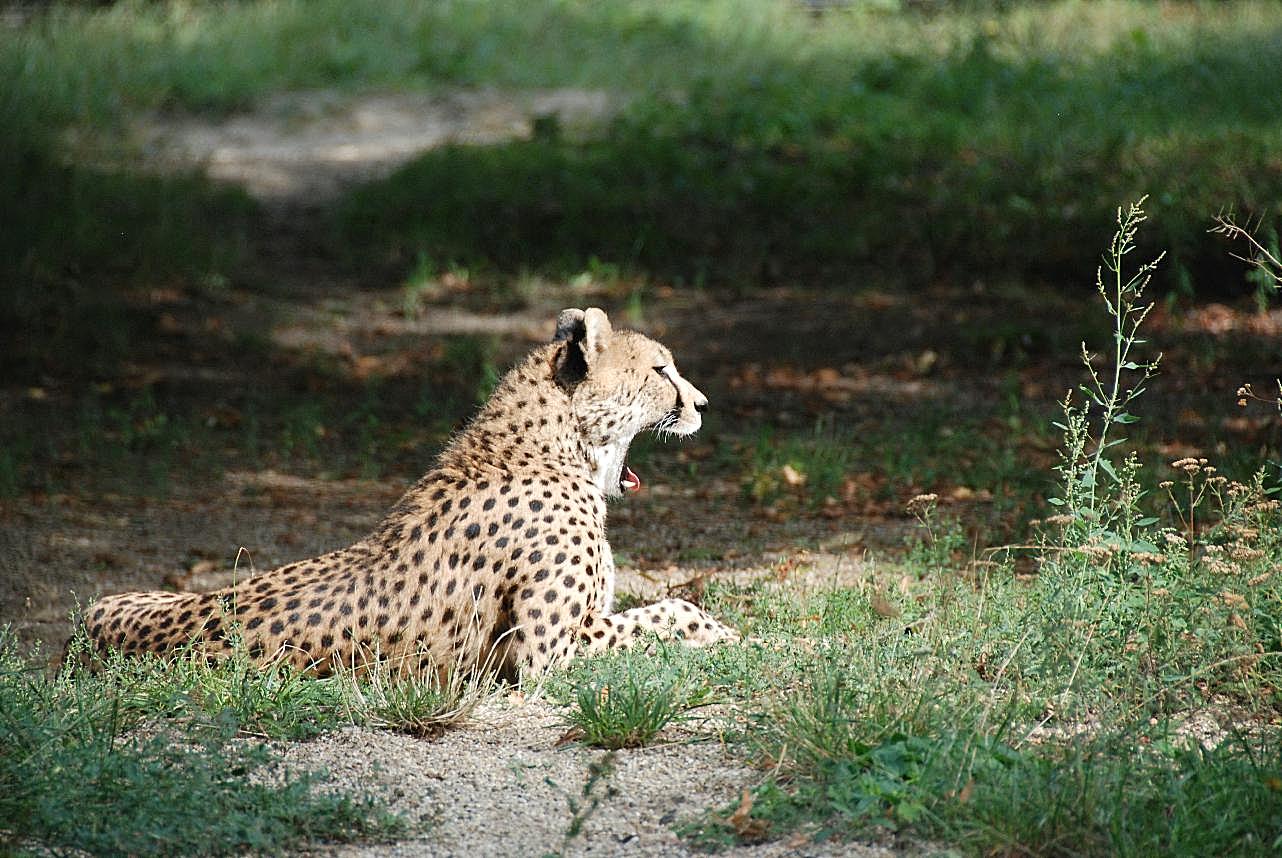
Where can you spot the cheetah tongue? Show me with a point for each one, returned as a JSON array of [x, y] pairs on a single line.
[[629, 482]]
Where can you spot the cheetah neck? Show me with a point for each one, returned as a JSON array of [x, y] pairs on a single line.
[[606, 464], [530, 422]]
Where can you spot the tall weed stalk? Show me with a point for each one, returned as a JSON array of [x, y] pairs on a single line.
[[1133, 612], [1097, 491]]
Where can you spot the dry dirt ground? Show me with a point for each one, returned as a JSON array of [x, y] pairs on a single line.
[[504, 785]]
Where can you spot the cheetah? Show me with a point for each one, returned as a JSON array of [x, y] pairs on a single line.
[[496, 559]]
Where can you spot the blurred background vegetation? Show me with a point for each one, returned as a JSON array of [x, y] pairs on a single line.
[[754, 141], [745, 144]]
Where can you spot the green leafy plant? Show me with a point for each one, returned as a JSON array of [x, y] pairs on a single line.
[[1154, 614]]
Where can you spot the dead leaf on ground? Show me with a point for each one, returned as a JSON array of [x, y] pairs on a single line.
[[797, 840], [168, 323], [966, 493], [692, 589], [882, 606], [743, 822]]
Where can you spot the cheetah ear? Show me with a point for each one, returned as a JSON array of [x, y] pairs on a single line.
[[568, 365], [586, 334], [569, 325], [590, 329], [597, 333]]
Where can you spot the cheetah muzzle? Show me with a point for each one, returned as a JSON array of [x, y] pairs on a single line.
[[496, 559]]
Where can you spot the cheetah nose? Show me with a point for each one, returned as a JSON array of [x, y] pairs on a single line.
[[701, 404]]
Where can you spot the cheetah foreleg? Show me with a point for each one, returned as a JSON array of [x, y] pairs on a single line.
[[669, 619]]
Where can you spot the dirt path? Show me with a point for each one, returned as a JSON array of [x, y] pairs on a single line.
[[307, 147]]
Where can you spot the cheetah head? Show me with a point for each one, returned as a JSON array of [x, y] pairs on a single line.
[[620, 383]]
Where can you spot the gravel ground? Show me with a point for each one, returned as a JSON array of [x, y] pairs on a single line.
[[503, 785]]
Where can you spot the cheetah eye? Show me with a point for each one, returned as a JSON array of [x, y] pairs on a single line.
[[662, 369]]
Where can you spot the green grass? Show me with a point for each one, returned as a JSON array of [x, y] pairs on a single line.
[[144, 760], [274, 701], [171, 757], [753, 143], [987, 145], [624, 700], [847, 763], [1051, 717]]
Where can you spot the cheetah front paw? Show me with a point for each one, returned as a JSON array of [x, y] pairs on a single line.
[[719, 633]]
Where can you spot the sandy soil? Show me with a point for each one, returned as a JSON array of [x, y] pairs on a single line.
[[506, 785]]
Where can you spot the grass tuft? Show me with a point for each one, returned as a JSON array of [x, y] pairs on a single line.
[[624, 700], [421, 706]]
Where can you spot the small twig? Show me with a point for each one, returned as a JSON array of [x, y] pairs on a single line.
[[1263, 259]]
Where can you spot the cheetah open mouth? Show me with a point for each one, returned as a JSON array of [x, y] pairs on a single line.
[[629, 481]]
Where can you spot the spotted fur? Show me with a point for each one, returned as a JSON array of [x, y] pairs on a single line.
[[496, 558]]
